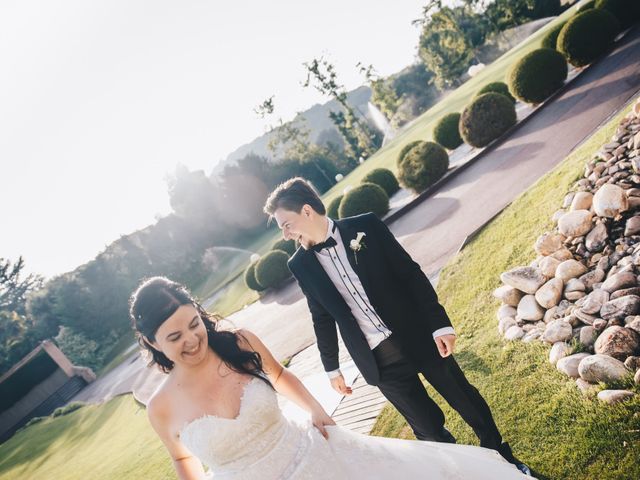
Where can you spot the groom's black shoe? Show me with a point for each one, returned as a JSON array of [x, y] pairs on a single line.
[[524, 468], [505, 450]]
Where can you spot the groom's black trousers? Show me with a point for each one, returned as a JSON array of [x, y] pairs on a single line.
[[400, 384]]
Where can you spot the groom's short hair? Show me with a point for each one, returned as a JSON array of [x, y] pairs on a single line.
[[292, 195]]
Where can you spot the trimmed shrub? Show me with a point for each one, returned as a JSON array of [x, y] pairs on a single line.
[[486, 118], [496, 87], [587, 35], [424, 165], [366, 197], [546, 8], [625, 11], [334, 206], [446, 131], [406, 149], [550, 39], [383, 177], [537, 75], [287, 246], [71, 407], [272, 269], [250, 278]]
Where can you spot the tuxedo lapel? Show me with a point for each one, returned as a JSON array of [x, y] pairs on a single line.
[[315, 275]]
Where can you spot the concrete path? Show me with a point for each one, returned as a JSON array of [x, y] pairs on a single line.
[[433, 231]]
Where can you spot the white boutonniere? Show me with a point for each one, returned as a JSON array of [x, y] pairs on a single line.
[[356, 244]]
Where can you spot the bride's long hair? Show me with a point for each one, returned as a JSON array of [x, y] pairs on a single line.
[[157, 298]]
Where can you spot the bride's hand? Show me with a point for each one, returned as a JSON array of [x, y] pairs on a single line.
[[319, 419]]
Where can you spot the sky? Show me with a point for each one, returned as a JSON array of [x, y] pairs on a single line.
[[100, 100]]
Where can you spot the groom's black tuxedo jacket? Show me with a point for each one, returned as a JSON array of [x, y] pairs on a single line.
[[397, 288]]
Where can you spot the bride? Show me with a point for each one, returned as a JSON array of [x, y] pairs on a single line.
[[218, 407]]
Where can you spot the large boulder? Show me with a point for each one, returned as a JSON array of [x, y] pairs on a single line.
[[601, 368], [610, 200], [597, 238], [569, 365], [618, 342], [550, 294], [525, 279], [529, 309], [508, 295], [619, 281], [620, 307], [570, 269], [575, 223], [557, 331], [558, 350], [614, 396], [548, 243], [548, 266]]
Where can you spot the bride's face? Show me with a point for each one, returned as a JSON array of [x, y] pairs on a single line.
[[183, 337]]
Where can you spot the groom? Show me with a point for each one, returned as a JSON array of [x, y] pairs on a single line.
[[356, 275]]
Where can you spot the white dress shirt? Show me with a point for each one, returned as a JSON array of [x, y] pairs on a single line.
[[335, 263]]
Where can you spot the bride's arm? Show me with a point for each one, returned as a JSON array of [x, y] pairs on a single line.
[[187, 466], [286, 383]]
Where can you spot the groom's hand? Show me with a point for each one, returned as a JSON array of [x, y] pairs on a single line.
[[339, 386], [445, 344]]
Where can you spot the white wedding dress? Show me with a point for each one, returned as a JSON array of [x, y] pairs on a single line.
[[261, 444]]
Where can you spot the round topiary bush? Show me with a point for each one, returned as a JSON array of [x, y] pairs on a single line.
[[486, 118], [334, 206], [250, 278], [406, 149], [625, 11], [272, 269], [496, 87], [446, 131], [366, 197], [537, 75], [587, 35], [551, 37], [287, 246], [383, 177], [424, 165]]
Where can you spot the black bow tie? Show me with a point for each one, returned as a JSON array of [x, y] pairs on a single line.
[[328, 243]]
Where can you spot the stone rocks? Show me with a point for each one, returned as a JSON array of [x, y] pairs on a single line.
[[632, 363], [569, 365], [591, 278], [588, 336], [506, 311], [557, 331], [618, 342], [549, 294], [594, 302], [597, 238], [548, 243], [528, 309], [614, 396], [601, 368], [609, 201], [620, 307], [581, 201], [558, 350], [632, 227], [514, 333], [620, 281], [508, 295], [575, 223], [525, 279], [570, 269]]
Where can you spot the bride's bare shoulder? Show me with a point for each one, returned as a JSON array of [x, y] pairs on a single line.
[[159, 404]]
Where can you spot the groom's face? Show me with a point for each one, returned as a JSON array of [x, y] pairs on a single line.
[[297, 226]]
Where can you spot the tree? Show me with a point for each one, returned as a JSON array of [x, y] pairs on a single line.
[[14, 286]]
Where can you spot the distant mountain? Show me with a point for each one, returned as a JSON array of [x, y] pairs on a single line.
[[321, 128]]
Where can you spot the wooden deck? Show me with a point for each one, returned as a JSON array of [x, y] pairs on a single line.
[[358, 411]]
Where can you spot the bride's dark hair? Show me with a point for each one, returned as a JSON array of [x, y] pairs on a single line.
[[157, 298]]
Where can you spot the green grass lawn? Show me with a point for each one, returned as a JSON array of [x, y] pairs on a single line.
[[420, 129], [561, 434], [97, 442]]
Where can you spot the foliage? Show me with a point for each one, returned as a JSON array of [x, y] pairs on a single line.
[[383, 177], [67, 409], [406, 149], [250, 278], [14, 285], [287, 246], [537, 75], [423, 165], [551, 37], [587, 35], [366, 197], [80, 349], [334, 206], [496, 87], [446, 131], [486, 118], [272, 269]]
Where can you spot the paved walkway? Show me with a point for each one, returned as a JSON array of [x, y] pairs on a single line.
[[433, 231]]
